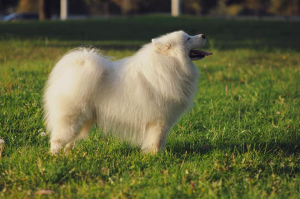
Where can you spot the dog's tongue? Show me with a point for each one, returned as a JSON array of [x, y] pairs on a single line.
[[205, 53], [198, 54]]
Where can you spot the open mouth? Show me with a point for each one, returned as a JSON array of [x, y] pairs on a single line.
[[198, 54]]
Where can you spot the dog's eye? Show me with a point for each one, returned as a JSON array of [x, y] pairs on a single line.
[[188, 38]]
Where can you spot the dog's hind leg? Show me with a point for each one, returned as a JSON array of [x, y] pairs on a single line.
[[155, 137], [65, 129], [83, 134]]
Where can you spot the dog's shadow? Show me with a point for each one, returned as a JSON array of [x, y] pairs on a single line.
[[178, 148]]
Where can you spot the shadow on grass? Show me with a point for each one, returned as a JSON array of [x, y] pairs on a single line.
[[286, 148]]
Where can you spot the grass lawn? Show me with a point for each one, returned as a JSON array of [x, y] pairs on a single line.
[[240, 140]]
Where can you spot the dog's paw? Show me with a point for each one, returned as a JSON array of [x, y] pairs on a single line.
[[150, 150], [54, 151], [69, 147], [55, 148]]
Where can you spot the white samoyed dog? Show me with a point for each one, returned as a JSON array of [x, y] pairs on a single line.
[[138, 98]]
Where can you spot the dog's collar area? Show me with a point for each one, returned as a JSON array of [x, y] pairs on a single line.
[[198, 54]]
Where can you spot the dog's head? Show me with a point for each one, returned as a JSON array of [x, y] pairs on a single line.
[[176, 43]]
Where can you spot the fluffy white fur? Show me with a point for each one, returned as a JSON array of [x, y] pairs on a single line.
[[138, 98]]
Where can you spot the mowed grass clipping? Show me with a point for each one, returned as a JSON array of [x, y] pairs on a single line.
[[240, 140]]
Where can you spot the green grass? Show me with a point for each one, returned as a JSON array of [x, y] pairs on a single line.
[[240, 140]]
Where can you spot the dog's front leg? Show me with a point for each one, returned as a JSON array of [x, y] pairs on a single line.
[[155, 137]]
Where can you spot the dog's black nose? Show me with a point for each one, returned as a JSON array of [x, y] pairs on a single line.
[[203, 36]]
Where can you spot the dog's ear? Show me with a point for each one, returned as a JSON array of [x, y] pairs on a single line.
[[161, 47]]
